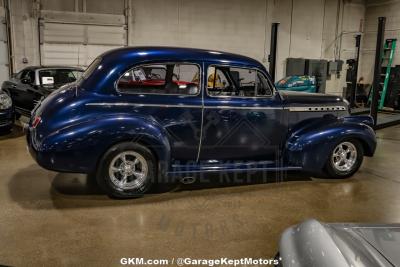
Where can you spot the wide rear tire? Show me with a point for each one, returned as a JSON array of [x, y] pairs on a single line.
[[127, 170]]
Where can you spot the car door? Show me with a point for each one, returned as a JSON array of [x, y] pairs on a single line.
[[29, 91], [22, 90], [243, 117], [169, 95]]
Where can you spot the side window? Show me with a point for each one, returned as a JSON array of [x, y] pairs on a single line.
[[245, 79], [21, 74], [29, 75], [217, 82], [263, 86], [174, 79], [240, 82]]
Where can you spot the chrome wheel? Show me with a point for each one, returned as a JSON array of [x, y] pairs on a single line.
[[128, 170], [344, 157]]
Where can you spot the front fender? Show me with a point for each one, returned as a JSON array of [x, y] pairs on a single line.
[[79, 147], [309, 144]]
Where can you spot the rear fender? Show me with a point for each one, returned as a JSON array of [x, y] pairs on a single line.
[[85, 143], [310, 143]]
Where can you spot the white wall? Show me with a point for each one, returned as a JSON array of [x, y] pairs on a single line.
[[24, 32], [233, 25], [375, 9], [319, 29]]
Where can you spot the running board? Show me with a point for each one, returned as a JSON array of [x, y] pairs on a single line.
[[229, 167]]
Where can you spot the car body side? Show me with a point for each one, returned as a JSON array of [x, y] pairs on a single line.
[[79, 122]]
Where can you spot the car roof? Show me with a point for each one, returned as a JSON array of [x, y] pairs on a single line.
[[52, 67], [114, 63], [153, 53]]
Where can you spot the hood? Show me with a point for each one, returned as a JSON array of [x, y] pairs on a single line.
[[301, 98], [316, 244]]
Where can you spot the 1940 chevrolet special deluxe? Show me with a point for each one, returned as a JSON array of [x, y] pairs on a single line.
[[143, 113]]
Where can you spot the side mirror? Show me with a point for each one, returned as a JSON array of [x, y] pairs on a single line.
[[26, 81]]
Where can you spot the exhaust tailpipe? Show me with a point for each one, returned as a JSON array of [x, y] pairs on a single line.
[[188, 180]]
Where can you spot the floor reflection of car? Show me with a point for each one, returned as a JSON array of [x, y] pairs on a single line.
[[312, 243], [6, 113], [29, 85]]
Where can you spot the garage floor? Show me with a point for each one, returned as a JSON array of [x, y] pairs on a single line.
[[50, 218]]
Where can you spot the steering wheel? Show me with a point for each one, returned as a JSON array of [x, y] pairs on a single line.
[[155, 76]]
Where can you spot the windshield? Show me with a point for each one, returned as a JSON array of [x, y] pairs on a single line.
[[58, 77]]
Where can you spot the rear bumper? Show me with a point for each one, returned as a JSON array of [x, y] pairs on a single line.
[[36, 155]]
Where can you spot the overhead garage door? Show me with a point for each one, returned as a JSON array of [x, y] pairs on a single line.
[[78, 44]]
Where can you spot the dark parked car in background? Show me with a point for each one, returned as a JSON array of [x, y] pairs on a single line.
[[6, 113], [31, 84], [313, 243]]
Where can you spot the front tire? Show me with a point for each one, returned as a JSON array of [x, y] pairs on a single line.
[[127, 170], [345, 159]]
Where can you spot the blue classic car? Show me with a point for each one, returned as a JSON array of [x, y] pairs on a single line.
[[141, 114]]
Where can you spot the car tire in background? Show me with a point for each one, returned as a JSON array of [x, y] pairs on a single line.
[[344, 159], [127, 170]]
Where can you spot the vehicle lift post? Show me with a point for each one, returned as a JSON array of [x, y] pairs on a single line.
[[353, 96], [377, 69], [273, 50]]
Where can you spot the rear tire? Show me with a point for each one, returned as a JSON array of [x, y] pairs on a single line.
[[345, 159], [127, 170]]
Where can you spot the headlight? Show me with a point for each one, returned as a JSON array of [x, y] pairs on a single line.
[[5, 101]]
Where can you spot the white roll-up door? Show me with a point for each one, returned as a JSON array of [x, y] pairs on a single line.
[[78, 44]]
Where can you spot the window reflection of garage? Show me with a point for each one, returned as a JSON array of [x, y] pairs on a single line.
[[75, 40]]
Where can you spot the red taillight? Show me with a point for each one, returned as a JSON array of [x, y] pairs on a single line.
[[36, 121]]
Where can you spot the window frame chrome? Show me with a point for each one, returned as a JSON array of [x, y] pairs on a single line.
[[273, 93], [161, 63]]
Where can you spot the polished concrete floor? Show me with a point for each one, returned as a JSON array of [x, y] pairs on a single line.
[[54, 219]]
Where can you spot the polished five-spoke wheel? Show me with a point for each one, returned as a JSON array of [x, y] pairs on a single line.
[[344, 156], [345, 159], [127, 170]]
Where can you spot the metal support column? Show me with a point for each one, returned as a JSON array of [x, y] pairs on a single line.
[[353, 95], [377, 68], [273, 50]]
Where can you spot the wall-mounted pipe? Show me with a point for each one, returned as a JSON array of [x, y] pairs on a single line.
[[9, 39]]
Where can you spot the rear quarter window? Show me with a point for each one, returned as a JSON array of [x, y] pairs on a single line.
[[161, 79]]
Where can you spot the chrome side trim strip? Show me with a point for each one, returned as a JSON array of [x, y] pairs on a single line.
[[292, 109], [316, 108], [143, 105], [248, 107], [178, 106]]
